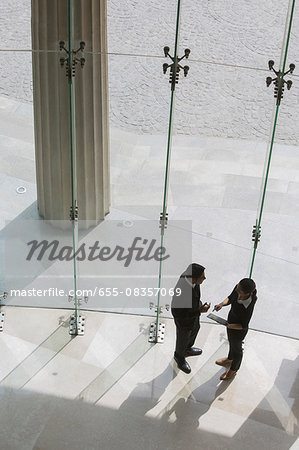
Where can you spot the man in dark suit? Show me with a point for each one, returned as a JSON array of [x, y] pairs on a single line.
[[186, 308]]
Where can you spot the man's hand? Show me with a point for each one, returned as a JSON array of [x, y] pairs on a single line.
[[234, 326], [205, 307], [217, 307]]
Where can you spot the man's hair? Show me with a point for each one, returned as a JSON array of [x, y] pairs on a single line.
[[194, 271]]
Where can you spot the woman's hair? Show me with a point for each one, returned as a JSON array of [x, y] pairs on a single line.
[[248, 287]]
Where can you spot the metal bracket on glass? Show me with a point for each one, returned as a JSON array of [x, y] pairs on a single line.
[[79, 300], [163, 221], [256, 234], [175, 67], [160, 334], [3, 297], [279, 81], [2, 314], [65, 62], [74, 212], [152, 306], [77, 327]]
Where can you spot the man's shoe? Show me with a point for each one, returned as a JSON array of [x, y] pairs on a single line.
[[225, 362], [193, 351], [183, 365]]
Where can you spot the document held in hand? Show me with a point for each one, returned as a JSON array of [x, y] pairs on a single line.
[[217, 318]]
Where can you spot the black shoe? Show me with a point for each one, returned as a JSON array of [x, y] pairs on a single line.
[[193, 351], [183, 365]]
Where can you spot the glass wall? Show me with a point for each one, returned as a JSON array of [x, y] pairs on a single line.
[[276, 262], [194, 165], [37, 143]]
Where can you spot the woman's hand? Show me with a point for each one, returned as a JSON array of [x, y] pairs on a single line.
[[234, 326], [217, 307]]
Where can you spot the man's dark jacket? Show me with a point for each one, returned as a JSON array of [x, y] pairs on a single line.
[[188, 303]]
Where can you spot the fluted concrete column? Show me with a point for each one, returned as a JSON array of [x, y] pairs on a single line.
[[52, 114]]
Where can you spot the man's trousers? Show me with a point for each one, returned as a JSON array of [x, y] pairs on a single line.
[[186, 332]]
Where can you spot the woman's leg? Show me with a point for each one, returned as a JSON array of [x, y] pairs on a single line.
[[235, 338]]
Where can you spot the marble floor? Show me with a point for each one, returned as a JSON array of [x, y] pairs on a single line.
[[111, 389]]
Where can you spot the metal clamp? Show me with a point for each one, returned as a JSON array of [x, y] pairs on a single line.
[[79, 300], [153, 306], [2, 314], [256, 234], [74, 212], [71, 60], [175, 67], [163, 221], [159, 336], [3, 296], [77, 327], [279, 81]]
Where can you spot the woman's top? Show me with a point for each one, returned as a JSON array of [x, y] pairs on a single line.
[[241, 310]]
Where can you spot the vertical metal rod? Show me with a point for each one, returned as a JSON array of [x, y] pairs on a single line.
[[72, 112]]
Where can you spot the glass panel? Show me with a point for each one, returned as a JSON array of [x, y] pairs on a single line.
[[293, 56], [17, 138], [138, 97], [237, 33], [119, 271], [223, 120], [137, 163], [15, 30], [276, 264], [138, 29], [139, 113], [217, 164], [17, 158], [30, 282], [38, 262], [279, 86]]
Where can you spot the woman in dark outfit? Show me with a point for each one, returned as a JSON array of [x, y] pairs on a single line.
[[242, 301]]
